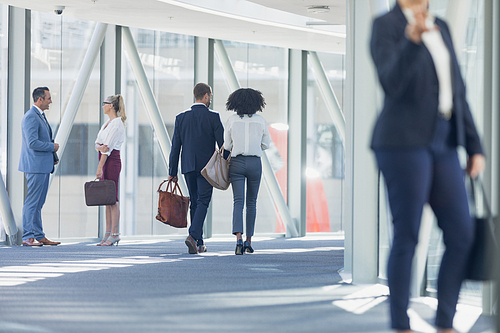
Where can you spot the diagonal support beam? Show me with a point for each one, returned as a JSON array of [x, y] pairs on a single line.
[[149, 100], [269, 177], [6, 213], [79, 89], [328, 95]]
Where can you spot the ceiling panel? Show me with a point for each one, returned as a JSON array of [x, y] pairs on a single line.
[[243, 21]]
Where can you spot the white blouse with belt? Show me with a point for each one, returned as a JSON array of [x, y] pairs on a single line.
[[247, 136], [112, 134]]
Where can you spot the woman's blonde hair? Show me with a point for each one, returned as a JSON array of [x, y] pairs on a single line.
[[119, 106]]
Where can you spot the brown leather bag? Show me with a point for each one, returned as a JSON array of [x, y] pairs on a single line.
[[172, 208]]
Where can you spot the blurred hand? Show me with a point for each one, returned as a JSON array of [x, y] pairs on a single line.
[[415, 30], [56, 146], [174, 179], [475, 165]]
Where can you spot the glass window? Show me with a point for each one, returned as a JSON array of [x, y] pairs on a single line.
[[325, 151], [168, 60], [263, 68], [58, 47]]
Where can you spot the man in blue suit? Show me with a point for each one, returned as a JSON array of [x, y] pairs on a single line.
[[196, 132], [37, 162]]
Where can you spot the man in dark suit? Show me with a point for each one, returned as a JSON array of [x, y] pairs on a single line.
[[196, 132], [424, 118], [37, 162]]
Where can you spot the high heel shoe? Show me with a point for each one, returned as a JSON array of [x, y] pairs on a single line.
[[104, 239], [112, 240], [239, 247], [247, 247]]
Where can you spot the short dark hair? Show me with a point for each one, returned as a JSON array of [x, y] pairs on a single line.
[[245, 101], [39, 92], [200, 90]]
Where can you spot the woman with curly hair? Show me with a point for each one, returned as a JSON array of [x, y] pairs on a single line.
[[245, 135]]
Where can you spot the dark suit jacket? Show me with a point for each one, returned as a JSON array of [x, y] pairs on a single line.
[[196, 131], [408, 77]]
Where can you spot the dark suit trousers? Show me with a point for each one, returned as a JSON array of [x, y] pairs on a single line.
[[414, 177], [200, 194]]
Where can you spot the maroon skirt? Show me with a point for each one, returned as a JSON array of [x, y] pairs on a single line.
[[112, 167]]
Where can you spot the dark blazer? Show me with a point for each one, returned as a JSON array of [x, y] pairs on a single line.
[[196, 131], [408, 77]]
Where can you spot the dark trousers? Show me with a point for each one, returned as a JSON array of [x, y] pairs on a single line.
[[243, 168], [200, 194], [414, 177]]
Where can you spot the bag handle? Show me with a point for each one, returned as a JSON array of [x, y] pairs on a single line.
[[169, 185], [473, 183], [489, 216], [221, 152]]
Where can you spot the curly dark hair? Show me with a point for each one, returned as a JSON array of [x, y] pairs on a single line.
[[245, 101]]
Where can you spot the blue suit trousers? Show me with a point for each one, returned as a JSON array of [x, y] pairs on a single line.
[[38, 185], [414, 177]]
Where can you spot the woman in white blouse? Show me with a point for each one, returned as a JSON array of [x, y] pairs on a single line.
[[245, 135], [108, 143]]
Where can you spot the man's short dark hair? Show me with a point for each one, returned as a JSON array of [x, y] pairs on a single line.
[[200, 90], [39, 92]]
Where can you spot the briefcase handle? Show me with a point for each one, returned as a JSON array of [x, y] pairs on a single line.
[[169, 185]]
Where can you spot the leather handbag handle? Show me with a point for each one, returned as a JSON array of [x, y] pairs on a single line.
[[169, 185]]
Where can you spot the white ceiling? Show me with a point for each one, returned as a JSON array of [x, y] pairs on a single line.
[[282, 23]]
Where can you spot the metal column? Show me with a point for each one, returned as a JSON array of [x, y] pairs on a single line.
[[204, 72], [18, 101], [297, 122], [149, 100], [361, 178], [269, 177]]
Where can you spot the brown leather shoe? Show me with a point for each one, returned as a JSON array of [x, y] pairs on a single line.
[[31, 242], [46, 241], [191, 244], [202, 248]]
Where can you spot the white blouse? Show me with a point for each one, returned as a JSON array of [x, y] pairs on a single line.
[[440, 54], [113, 135], [247, 136]]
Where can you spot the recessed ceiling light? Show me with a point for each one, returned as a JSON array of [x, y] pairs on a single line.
[[318, 9]]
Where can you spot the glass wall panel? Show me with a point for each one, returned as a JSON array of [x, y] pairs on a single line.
[[168, 60], [263, 68], [58, 47], [4, 24], [325, 151]]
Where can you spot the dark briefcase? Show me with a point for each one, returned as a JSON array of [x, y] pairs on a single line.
[[172, 208], [100, 193]]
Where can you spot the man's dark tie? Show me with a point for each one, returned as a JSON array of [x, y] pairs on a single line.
[[48, 125]]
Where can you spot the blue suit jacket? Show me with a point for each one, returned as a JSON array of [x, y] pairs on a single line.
[[196, 131], [37, 146], [408, 77]]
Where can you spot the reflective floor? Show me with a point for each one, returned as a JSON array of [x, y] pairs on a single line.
[[154, 285]]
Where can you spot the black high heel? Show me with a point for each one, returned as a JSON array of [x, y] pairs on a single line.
[[247, 247], [239, 247]]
